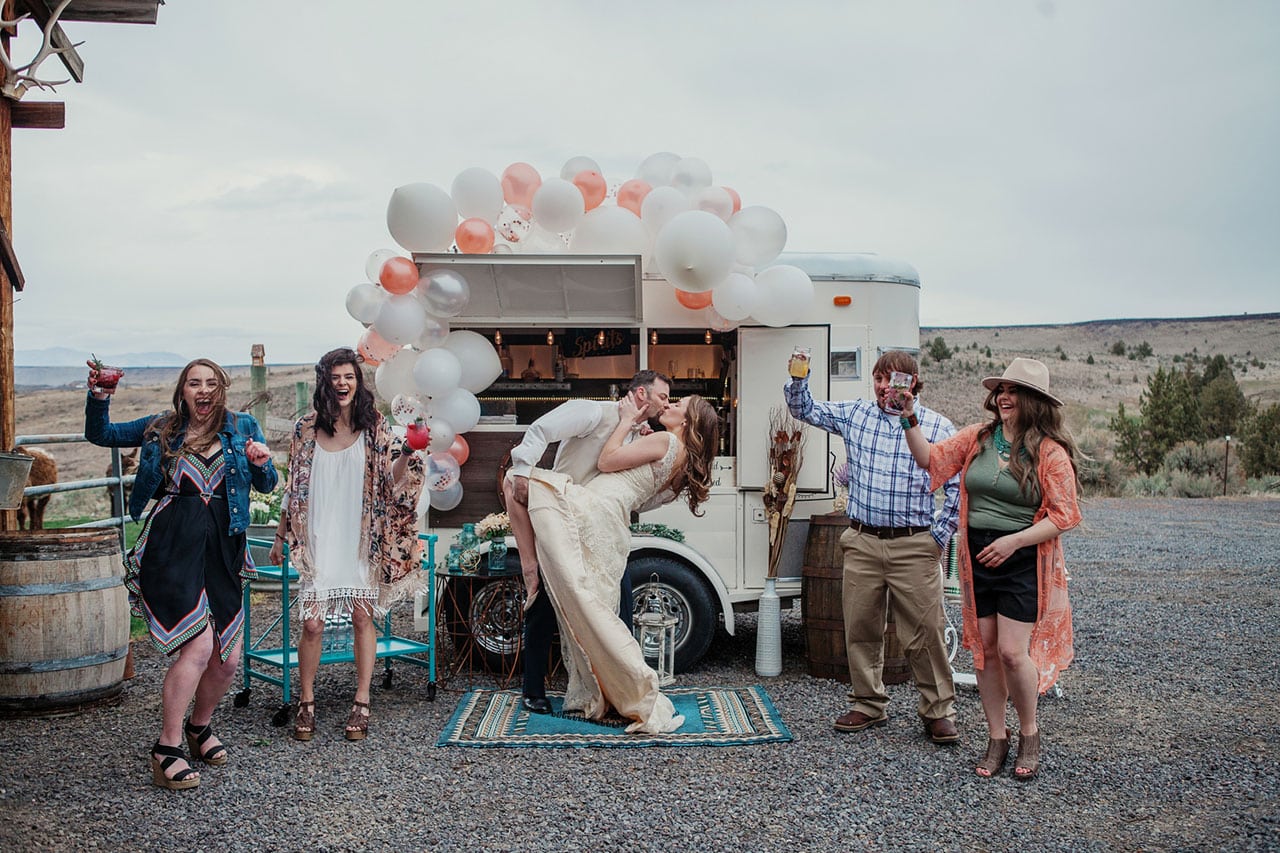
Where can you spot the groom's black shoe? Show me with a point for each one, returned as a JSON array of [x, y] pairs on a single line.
[[536, 704]]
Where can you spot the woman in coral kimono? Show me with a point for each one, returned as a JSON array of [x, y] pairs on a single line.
[[584, 538], [1018, 495], [349, 516]]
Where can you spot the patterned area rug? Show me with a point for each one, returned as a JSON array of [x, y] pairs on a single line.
[[718, 716]]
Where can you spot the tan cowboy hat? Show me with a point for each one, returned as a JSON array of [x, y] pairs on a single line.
[[1026, 372]]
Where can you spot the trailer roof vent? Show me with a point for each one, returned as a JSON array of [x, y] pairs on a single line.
[[852, 266], [538, 289]]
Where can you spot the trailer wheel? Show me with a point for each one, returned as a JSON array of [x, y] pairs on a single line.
[[489, 612], [685, 595]]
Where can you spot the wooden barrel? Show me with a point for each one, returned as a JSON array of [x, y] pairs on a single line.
[[822, 608], [64, 620]]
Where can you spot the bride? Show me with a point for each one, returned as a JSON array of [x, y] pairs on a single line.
[[584, 538]]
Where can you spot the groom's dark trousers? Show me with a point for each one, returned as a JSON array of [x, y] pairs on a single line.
[[540, 626]]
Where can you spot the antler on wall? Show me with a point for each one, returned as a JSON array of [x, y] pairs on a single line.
[[18, 79]]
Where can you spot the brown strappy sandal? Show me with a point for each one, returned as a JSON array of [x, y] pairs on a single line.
[[1028, 763], [357, 722], [997, 754], [304, 725]]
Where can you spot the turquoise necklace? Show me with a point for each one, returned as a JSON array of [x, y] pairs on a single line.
[[1003, 447]]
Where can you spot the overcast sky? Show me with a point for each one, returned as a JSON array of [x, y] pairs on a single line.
[[224, 175]]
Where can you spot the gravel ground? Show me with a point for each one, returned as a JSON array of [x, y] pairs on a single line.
[[1164, 738]]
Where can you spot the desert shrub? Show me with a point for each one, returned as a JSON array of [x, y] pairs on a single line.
[[1100, 473], [1184, 485], [1142, 350], [1118, 348], [1089, 360], [1146, 486], [938, 349], [1260, 445], [1198, 460], [1262, 485]]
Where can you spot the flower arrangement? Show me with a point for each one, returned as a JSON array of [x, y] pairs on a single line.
[[841, 476], [786, 452], [493, 525], [265, 508]]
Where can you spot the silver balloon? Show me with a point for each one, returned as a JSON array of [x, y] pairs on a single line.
[[444, 292]]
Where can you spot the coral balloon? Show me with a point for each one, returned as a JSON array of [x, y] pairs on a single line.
[[593, 187], [460, 450], [631, 194], [399, 275], [694, 301], [474, 237], [737, 199], [519, 182]]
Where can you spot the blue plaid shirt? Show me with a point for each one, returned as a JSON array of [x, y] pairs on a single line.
[[886, 486]]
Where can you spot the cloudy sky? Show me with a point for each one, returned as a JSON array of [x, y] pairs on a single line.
[[224, 175]]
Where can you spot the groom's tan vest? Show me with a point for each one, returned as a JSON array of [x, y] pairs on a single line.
[[577, 456]]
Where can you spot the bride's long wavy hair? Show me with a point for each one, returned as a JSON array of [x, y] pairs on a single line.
[[701, 439]]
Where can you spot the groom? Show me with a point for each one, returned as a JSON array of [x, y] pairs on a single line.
[[582, 427]]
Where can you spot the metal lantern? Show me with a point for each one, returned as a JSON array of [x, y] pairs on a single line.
[[655, 629]]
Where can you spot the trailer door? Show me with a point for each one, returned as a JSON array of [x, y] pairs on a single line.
[[763, 353]]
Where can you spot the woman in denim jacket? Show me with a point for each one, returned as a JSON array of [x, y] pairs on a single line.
[[183, 573]]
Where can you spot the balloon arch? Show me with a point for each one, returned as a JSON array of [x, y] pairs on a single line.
[[715, 252]]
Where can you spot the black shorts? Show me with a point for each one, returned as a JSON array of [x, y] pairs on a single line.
[[1009, 589]]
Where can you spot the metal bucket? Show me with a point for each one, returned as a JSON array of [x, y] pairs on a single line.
[[14, 469]]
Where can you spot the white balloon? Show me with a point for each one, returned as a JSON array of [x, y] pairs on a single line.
[[715, 321], [437, 372], [444, 292], [407, 408], [422, 218], [479, 360], [691, 174], [543, 242], [442, 435], [400, 320], [713, 200], [610, 231], [557, 205], [394, 377], [660, 206], [785, 294], [574, 165], [446, 500], [656, 168], [434, 331], [373, 266], [500, 248], [364, 301], [735, 297], [477, 193], [758, 235], [459, 408], [694, 250]]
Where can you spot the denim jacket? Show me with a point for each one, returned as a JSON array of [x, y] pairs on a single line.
[[236, 432]]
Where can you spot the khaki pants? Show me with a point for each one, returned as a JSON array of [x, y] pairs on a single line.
[[908, 569]]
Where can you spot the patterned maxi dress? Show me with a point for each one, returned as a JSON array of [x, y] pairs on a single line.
[[184, 572], [584, 537]]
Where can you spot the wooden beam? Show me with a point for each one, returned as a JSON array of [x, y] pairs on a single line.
[[8, 419], [9, 260], [113, 11], [44, 115], [41, 11]]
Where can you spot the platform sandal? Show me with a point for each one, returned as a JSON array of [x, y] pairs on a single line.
[[1027, 764], [997, 754], [357, 727], [304, 725], [180, 781], [197, 737]]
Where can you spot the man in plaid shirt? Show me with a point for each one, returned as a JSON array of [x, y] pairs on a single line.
[[893, 544]]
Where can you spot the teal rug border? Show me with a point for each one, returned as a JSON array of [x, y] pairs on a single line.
[[465, 706]]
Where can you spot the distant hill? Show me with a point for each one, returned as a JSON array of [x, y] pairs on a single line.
[[68, 357]]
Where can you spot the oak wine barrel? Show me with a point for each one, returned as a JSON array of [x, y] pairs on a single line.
[[822, 608], [64, 620]]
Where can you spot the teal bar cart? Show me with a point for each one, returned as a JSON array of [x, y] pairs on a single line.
[[275, 664]]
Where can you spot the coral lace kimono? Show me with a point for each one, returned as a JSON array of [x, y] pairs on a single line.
[[1051, 649]]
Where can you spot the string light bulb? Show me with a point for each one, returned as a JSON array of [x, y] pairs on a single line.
[[600, 338], [497, 338], [551, 338], [653, 337], [706, 336]]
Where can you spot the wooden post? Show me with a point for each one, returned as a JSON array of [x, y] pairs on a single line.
[[301, 399], [8, 420], [258, 383]]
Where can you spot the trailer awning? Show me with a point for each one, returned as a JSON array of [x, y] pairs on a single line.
[[534, 290]]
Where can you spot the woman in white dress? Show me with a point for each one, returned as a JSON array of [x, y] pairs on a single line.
[[349, 517], [583, 539]]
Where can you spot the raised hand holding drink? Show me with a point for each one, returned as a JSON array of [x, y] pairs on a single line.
[[798, 366], [106, 377]]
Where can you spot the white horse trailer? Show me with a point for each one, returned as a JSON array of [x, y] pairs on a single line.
[[587, 323]]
